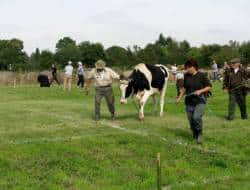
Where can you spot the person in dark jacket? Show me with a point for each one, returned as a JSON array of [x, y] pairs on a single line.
[[234, 81], [54, 74], [196, 87]]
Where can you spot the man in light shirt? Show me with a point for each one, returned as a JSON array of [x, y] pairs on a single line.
[[215, 70], [68, 76], [103, 77]]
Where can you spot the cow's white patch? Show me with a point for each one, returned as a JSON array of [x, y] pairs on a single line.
[[142, 68]]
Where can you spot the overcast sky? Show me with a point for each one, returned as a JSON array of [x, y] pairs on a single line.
[[40, 23]]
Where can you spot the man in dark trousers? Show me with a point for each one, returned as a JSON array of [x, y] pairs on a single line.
[[196, 88], [234, 83], [54, 74]]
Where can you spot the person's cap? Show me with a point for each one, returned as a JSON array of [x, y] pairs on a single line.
[[100, 64], [235, 60], [69, 62], [79, 63]]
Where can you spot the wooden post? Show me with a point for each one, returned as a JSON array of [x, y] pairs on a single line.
[[158, 162], [14, 83]]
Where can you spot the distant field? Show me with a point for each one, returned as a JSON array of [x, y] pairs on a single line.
[[50, 141]]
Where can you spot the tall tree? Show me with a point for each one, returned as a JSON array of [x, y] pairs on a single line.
[[117, 56], [11, 53], [91, 52], [67, 50]]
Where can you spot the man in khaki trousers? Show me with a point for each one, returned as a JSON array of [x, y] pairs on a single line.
[[103, 77], [68, 76]]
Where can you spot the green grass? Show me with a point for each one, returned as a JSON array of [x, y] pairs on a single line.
[[50, 141]]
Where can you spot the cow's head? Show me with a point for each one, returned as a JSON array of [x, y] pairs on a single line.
[[126, 88]]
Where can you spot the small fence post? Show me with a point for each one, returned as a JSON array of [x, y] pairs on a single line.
[[14, 83], [158, 162]]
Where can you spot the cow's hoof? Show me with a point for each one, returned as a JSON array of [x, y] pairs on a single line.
[[141, 118]]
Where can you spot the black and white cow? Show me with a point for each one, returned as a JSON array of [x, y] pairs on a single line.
[[145, 81]]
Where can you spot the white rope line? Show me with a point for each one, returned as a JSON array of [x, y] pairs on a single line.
[[53, 139], [177, 142], [114, 126]]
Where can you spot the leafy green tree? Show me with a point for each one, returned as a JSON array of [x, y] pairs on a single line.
[[91, 52], [225, 54], [117, 56], [11, 53], [46, 60], [35, 59], [64, 42], [245, 52], [67, 50]]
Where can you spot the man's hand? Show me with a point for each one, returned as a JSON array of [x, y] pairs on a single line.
[[225, 90], [198, 92], [178, 99]]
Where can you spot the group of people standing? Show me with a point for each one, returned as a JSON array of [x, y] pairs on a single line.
[[68, 74]]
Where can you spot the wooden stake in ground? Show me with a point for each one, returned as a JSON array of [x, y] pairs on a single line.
[[158, 162], [14, 83]]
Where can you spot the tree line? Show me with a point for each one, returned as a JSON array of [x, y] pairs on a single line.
[[165, 50]]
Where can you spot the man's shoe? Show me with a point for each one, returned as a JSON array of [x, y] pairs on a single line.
[[199, 139], [195, 135], [97, 118], [229, 118]]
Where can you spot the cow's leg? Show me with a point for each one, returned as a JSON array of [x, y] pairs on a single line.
[[162, 100], [143, 101], [154, 103]]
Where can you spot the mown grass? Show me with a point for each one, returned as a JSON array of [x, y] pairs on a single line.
[[50, 141]]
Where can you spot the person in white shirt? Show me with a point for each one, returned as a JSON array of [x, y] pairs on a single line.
[[179, 82], [174, 69], [68, 76], [215, 70]]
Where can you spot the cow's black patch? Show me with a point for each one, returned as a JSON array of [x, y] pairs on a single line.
[[158, 76], [137, 82], [43, 80]]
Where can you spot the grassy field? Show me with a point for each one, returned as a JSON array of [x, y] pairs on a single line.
[[50, 141]]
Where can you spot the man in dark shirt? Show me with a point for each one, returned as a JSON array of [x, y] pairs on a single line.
[[234, 79], [54, 74], [196, 88]]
